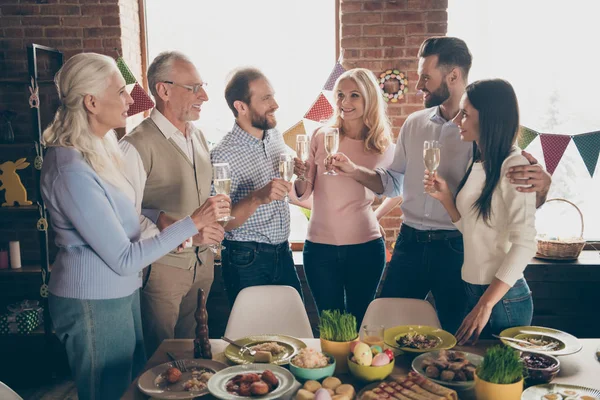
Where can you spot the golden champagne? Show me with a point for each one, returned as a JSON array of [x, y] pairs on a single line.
[[431, 157], [286, 169], [332, 142], [302, 149], [222, 186]]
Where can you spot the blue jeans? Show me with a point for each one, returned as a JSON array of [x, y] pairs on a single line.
[[515, 308], [345, 277], [419, 265], [246, 264], [104, 343]]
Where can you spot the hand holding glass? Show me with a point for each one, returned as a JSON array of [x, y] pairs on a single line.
[[332, 143], [286, 170], [222, 184], [431, 158], [302, 149]]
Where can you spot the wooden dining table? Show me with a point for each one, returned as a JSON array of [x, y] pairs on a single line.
[[582, 368]]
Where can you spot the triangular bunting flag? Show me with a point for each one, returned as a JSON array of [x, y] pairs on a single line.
[[588, 145], [141, 101], [554, 147], [125, 71], [337, 71], [289, 136], [526, 136], [320, 110]]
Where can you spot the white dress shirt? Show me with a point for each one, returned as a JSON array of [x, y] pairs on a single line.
[[134, 167]]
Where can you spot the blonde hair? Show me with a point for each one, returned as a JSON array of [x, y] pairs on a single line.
[[375, 116], [86, 74]]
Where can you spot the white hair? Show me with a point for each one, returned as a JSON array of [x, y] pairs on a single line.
[[160, 69], [86, 74]]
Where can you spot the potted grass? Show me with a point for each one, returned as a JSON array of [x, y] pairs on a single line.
[[337, 331], [500, 375]]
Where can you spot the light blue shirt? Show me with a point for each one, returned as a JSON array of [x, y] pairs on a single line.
[[254, 163], [405, 175], [100, 254]]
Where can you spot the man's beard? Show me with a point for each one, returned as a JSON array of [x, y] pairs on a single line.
[[261, 121], [439, 96]]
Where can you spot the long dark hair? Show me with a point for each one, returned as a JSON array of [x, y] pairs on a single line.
[[496, 102]]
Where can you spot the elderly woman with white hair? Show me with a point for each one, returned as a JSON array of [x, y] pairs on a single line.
[[94, 287]]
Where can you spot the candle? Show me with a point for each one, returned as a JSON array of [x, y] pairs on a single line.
[[15, 255]]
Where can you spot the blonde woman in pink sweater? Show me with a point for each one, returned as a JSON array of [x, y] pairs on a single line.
[[344, 253]]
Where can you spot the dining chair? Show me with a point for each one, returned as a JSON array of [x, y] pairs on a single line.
[[7, 393], [268, 309], [391, 312]]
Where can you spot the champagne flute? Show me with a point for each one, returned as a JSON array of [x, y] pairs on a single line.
[[332, 143], [302, 149], [286, 170], [431, 158], [222, 184]]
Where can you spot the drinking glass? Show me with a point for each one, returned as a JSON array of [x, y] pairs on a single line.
[[286, 169], [332, 143], [373, 335], [302, 149], [431, 158], [222, 184]]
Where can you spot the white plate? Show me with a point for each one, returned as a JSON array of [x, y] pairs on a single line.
[[217, 385], [536, 392], [148, 384], [417, 366]]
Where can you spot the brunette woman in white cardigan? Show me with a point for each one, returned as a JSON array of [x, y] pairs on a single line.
[[496, 220]]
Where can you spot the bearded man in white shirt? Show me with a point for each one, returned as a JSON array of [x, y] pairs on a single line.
[[168, 163]]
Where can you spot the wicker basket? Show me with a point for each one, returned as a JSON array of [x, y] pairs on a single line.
[[562, 249]]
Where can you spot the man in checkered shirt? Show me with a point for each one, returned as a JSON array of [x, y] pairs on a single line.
[[256, 251]]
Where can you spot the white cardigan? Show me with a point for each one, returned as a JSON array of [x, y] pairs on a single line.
[[505, 247]]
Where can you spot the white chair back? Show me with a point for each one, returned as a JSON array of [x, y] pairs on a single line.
[[268, 309], [7, 393], [391, 312]]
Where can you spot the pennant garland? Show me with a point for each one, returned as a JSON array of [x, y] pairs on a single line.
[[141, 101], [320, 110], [125, 71], [289, 136], [588, 145], [526, 136], [554, 147], [335, 73]]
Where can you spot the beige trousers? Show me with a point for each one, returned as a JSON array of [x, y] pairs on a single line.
[[169, 299]]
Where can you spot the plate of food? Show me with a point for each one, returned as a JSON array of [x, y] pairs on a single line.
[[261, 381], [455, 369], [167, 382], [418, 338], [269, 349], [557, 391], [542, 340], [413, 386]]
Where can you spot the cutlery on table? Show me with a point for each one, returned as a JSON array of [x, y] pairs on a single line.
[[179, 364], [529, 345], [242, 348]]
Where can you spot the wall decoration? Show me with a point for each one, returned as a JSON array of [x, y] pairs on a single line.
[[10, 181], [393, 84]]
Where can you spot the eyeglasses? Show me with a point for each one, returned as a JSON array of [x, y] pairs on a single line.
[[194, 88]]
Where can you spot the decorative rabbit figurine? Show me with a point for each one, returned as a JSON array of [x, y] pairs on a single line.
[[15, 194]]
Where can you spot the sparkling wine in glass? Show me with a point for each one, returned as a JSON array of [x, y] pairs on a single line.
[[302, 149], [431, 158], [222, 184], [286, 169], [332, 143]]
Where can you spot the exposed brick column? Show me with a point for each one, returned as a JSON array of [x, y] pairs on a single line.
[[386, 34]]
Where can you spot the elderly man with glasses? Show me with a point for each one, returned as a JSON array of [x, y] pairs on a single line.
[[168, 163]]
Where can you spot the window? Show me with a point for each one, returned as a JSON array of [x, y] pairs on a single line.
[[544, 49], [293, 43]]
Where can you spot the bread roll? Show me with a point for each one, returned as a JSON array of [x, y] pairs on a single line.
[[304, 394], [340, 397], [331, 383], [347, 390], [312, 386]]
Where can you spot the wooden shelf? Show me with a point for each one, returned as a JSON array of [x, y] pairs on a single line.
[[24, 270]]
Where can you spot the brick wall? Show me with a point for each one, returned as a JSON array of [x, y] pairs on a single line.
[[386, 34], [109, 27]]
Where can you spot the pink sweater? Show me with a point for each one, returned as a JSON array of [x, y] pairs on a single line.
[[342, 212]]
